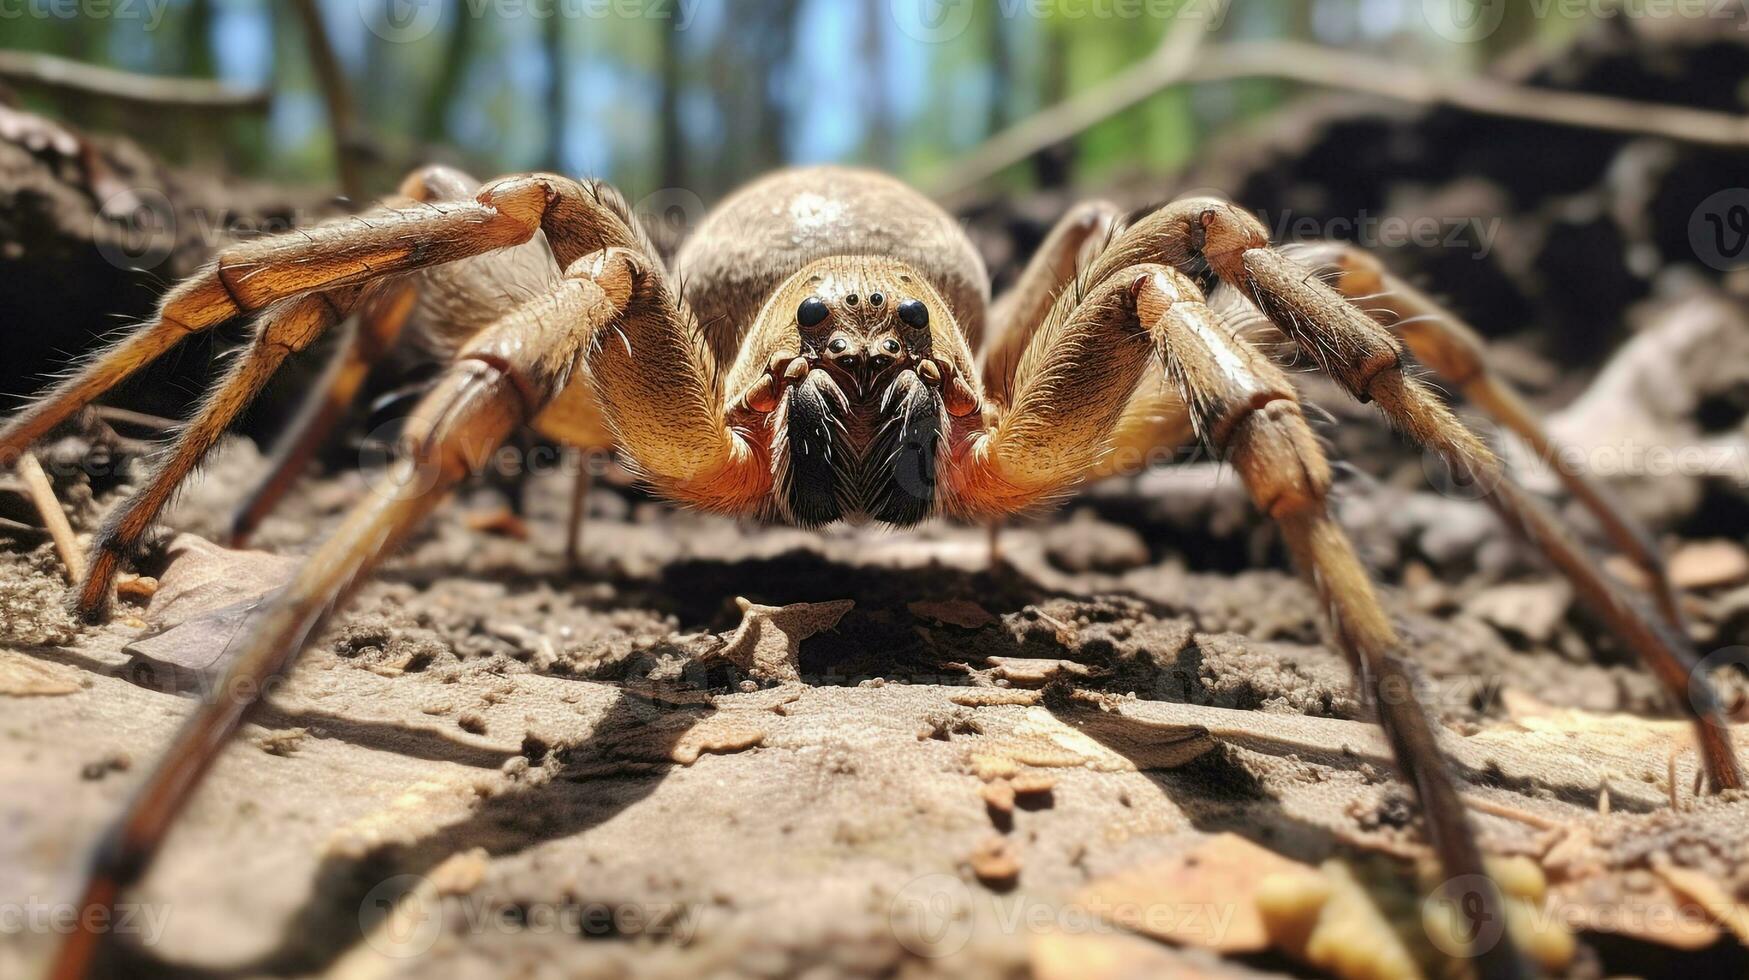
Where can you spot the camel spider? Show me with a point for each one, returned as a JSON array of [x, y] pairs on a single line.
[[819, 352]]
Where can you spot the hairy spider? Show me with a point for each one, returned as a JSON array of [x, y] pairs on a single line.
[[824, 349]]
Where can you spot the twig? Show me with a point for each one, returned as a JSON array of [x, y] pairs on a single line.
[[342, 120], [42, 494], [1309, 63], [1168, 64], [65, 75]]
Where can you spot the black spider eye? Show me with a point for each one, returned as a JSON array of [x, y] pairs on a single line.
[[876, 299], [914, 313], [811, 312], [838, 345], [891, 346]]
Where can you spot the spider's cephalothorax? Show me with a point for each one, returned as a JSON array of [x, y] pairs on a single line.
[[857, 417], [810, 357]]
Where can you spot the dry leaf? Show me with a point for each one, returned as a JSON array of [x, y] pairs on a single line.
[[23, 676], [1210, 892], [203, 577], [767, 644]]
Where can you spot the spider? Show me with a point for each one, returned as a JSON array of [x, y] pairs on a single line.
[[825, 349]]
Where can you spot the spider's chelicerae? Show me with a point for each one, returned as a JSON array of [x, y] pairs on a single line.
[[824, 349]]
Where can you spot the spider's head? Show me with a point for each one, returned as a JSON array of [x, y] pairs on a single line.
[[859, 436], [865, 322]]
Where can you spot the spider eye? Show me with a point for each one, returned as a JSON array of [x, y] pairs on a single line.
[[914, 313], [891, 346], [838, 345], [811, 312], [876, 299]]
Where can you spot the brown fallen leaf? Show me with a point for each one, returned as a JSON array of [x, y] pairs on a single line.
[[203, 577], [952, 612], [194, 651], [23, 676], [767, 644], [1210, 890]]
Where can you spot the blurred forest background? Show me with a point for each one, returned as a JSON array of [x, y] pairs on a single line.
[[695, 94]]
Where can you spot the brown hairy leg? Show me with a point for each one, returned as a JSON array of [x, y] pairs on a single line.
[[284, 330], [380, 318], [1457, 354], [1074, 384], [1018, 313], [1367, 361], [499, 381], [1250, 415]]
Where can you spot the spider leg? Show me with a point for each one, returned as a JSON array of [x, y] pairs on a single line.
[[254, 276], [285, 330], [500, 380], [1074, 384], [1364, 358], [1018, 313], [1455, 352], [381, 315], [1251, 416]]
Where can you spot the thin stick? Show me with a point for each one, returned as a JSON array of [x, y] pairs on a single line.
[[65, 75], [42, 494], [342, 120], [1295, 61]]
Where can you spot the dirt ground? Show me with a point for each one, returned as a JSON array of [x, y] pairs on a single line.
[[493, 765]]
